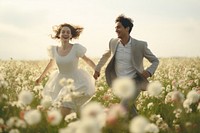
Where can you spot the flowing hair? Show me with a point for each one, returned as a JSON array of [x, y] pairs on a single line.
[[75, 30]]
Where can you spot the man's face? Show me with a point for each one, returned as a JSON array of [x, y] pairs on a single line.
[[120, 30]]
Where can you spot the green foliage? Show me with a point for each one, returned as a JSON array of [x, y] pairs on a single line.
[[182, 74]]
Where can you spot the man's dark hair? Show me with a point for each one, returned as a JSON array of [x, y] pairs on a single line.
[[125, 21]]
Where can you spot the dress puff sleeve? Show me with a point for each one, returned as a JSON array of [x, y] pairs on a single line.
[[80, 50], [50, 52]]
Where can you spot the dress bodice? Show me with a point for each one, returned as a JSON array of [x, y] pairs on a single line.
[[69, 63], [68, 69]]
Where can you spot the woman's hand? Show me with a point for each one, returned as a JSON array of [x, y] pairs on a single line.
[[96, 75], [38, 81]]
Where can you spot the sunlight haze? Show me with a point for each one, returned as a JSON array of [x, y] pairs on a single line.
[[171, 28]]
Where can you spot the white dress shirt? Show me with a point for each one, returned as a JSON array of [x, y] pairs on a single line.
[[123, 63]]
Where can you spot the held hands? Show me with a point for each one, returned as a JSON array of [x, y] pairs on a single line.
[[96, 75]]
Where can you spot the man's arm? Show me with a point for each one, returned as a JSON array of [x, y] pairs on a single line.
[[152, 59]]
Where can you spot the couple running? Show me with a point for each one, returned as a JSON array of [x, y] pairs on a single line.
[[126, 60]]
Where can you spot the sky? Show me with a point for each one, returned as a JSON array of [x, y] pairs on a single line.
[[170, 27]]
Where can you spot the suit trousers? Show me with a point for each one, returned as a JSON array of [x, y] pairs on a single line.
[[129, 103]]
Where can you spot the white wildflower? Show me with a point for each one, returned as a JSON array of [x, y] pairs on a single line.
[[20, 124], [70, 81], [71, 127], [11, 121], [151, 128], [66, 82], [14, 131], [193, 96], [198, 107], [114, 113], [4, 96], [32, 117], [56, 104], [67, 98], [38, 88], [154, 88], [1, 121], [168, 97], [63, 82], [70, 117], [46, 102], [25, 97], [168, 88], [54, 117], [117, 110], [1, 77], [177, 96], [66, 130], [138, 124], [94, 110], [124, 87], [3, 84], [149, 105], [88, 125], [177, 113], [187, 103]]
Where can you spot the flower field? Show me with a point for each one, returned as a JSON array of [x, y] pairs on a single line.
[[170, 105]]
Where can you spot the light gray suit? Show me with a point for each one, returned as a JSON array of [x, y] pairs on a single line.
[[139, 50]]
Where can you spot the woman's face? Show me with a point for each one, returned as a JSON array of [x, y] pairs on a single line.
[[65, 34]]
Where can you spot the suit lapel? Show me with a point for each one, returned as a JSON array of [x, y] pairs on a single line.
[[133, 47], [115, 45], [110, 71]]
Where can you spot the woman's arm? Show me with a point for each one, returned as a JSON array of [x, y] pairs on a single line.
[[46, 70], [89, 62]]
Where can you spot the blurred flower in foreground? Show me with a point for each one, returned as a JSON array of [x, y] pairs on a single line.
[[54, 117], [138, 124], [88, 125], [116, 112], [154, 88], [14, 122], [25, 97], [46, 102], [141, 124], [124, 87], [187, 103], [193, 96], [71, 127], [177, 96], [151, 128], [14, 131], [32, 117], [95, 111]]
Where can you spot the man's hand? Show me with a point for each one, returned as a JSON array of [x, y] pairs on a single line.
[[146, 74], [96, 75]]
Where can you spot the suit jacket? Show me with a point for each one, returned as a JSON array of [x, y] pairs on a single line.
[[139, 52]]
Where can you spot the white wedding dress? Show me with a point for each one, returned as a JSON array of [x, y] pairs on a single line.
[[68, 69]]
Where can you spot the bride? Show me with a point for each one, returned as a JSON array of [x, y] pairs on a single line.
[[66, 57]]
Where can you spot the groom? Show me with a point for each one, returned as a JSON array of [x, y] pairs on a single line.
[[127, 56]]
